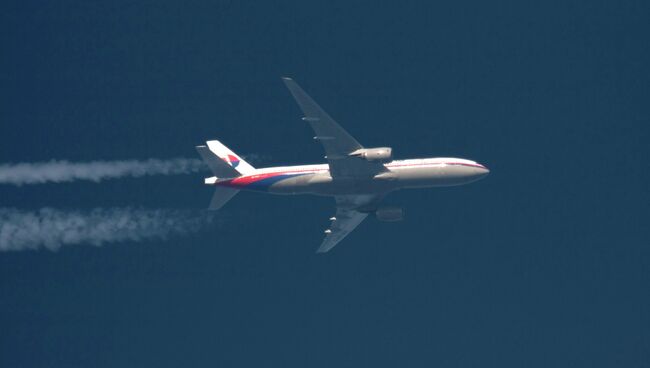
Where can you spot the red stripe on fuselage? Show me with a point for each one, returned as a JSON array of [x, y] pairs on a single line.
[[245, 180]]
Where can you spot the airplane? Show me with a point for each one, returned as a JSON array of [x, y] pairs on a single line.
[[357, 177]]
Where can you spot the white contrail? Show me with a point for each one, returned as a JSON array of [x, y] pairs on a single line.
[[65, 171], [51, 228]]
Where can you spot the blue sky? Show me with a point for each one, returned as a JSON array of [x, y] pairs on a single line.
[[543, 263]]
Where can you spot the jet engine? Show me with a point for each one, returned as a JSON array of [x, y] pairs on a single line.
[[381, 154], [390, 214]]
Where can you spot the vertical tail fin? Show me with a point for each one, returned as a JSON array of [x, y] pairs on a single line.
[[224, 164], [230, 157], [219, 167]]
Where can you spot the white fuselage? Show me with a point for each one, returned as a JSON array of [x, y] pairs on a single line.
[[316, 179]]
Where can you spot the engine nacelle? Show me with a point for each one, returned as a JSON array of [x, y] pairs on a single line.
[[390, 214], [382, 154]]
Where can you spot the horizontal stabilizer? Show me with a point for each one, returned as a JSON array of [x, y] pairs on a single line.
[[219, 167], [221, 196]]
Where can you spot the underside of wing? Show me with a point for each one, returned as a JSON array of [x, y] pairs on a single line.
[[338, 143], [351, 210], [342, 224]]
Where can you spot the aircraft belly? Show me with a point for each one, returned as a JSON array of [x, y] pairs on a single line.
[[435, 176], [293, 185], [323, 184]]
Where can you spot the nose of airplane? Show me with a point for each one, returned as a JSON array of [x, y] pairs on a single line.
[[482, 172]]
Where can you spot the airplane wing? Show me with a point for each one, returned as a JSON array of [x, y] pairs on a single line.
[[337, 142], [351, 210]]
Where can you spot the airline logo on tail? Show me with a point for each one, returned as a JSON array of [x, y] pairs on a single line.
[[229, 157], [232, 160]]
